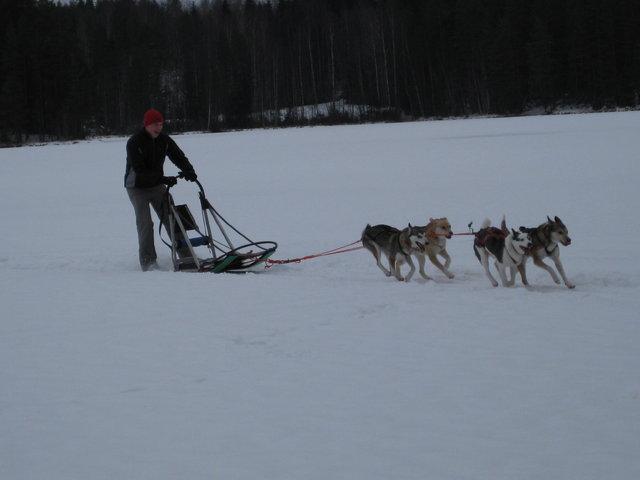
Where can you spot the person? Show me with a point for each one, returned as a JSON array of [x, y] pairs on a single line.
[[146, 183]]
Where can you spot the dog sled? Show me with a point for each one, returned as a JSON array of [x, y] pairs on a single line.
[[188, 241]]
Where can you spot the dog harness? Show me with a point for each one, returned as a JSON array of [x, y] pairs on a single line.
[[486, 233], [545, 235], [517, 262]]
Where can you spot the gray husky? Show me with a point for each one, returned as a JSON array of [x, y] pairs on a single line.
[[508, 248], [545, 238], [397, 245]]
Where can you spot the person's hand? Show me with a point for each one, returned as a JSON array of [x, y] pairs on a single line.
[[169, 181], [190, 176]]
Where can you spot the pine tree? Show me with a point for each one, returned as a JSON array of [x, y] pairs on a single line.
[[14, 103]]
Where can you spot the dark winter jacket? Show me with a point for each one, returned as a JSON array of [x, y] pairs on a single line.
[[145, 159]]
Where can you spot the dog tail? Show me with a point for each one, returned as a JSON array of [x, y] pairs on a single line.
[[365, 233], [486, 223], [503, 224]]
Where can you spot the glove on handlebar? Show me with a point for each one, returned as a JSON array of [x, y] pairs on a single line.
[[169, 181]]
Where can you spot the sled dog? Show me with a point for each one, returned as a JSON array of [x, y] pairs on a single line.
[[545, 239], [508, 250], [437, 231], [396, 245]]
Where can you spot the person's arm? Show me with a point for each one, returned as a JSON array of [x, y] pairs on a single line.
[[179, 159]]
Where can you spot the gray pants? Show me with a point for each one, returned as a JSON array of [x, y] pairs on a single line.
[[141, 198]]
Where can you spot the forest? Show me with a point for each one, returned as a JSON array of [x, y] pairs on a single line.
[[92, 67]]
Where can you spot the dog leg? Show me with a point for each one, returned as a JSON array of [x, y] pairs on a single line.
[[484, 260], [421, 263], [503, 274], [440, 267], [447, 259], [412, 269], [556, 259], [512, 273], [523, 272], [447, 262], [539, 263], [375, 251], [386, 272], [395, 263]]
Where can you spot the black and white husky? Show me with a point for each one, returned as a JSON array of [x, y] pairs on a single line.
[[509, 249]]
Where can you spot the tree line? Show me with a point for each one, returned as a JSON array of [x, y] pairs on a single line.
[[92, 67]]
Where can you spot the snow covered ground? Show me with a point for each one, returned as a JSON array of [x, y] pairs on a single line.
[[326, 370]]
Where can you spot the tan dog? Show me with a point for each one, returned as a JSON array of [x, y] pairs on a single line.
[[438, 230]]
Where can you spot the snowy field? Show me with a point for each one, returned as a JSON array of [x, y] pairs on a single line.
[[326, 370]]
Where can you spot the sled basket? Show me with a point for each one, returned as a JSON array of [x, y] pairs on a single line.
[[244, 258], [220, 255]]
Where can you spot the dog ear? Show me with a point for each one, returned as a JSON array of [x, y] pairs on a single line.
[[557, 219], [549, 220], [523, 229], [514, 233], [409, 224], [430, 219]]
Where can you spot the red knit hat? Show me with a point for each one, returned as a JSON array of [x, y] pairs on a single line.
[[152, 116]]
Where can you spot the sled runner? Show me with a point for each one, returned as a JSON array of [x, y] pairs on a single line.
[[222, 256]]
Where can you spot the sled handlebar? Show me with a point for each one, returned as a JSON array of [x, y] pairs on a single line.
[[180, 176]]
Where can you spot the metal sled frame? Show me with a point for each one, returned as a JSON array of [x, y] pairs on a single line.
[[225, 257]]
